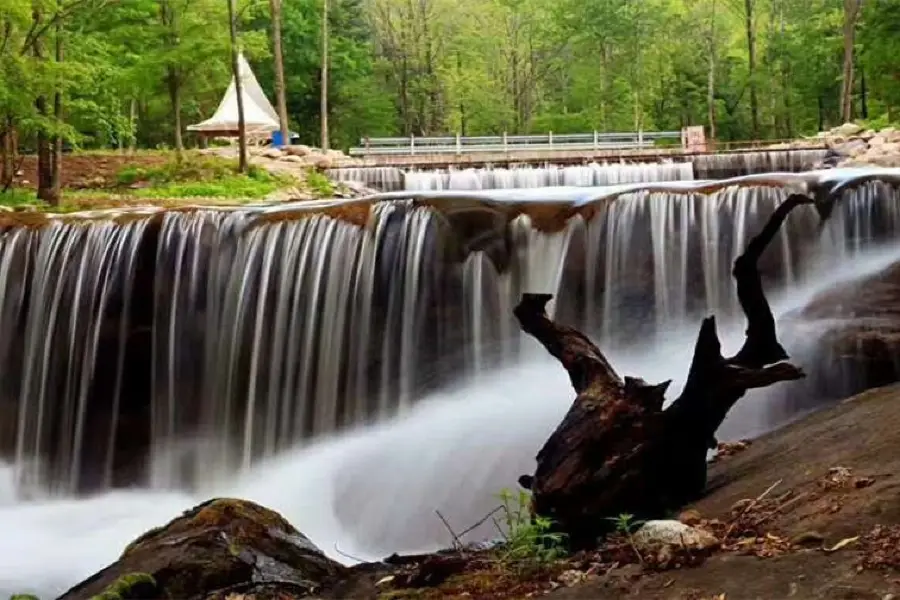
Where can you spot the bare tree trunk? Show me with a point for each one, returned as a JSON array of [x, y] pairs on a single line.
[[6, 160], [852, 8], [132, 119], [785, 82], [238, 89], [323, 95], [169, 19], [280, 92], [751, 67], [711, 75], [617, 451], [44, 148], [56, 172], [175, 101]]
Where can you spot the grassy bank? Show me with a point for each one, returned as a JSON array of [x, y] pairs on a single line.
[[162, 179]]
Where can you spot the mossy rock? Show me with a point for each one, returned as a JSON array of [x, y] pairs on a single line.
[[218, 548]]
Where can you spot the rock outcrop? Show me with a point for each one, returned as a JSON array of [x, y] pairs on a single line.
[[851, 145], [219, 549], [859, 323]]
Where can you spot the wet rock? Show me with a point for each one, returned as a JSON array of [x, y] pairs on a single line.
[[219, 549], [858, 324]]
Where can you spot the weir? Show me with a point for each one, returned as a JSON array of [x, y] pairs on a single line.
[[588, 174], [204, 339]]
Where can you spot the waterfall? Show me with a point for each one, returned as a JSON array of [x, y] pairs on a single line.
[[702, 167], [735, 164], [590, 175], [206, 339]]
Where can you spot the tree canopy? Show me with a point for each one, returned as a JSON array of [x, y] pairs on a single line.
[[112, 73]]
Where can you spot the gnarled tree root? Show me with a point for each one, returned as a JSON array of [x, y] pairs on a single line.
[[617, 450]]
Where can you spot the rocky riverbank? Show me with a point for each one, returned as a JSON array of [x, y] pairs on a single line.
[[810, 511], [852, 145]]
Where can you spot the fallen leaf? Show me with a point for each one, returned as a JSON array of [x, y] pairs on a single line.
[[841, 544]]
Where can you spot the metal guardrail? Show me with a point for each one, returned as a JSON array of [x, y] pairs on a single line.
[[511, 143]]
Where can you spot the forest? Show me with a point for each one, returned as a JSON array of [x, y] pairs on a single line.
[[134, 73]]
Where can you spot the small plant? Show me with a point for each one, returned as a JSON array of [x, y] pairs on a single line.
[[529, 538], [319, 184], [23, 597], [626, 526], [18, 197], [124, 585], [625, 523]]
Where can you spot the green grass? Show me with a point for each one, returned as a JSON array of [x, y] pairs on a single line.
[[18, 197], [319, 184], [198, 177], [194, 176]]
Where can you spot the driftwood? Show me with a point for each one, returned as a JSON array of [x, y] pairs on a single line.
[[617, 451]]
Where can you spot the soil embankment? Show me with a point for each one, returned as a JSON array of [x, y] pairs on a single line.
[[838, 479]]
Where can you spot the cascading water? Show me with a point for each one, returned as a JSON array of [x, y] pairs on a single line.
[[703, 166], [269, 326], [590, 175]]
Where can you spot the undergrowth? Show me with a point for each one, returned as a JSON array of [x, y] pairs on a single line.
[[18, 197], [319, 184], [529, 538], [198, 177]]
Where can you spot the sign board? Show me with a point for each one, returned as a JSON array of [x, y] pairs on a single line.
[[693, 139]]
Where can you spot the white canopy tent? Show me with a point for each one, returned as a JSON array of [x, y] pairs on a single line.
[[260, 117]]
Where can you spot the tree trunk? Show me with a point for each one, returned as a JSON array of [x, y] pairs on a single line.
[[56, 171], [863, 95], [751, 68], [169, 19], [238, 89], [852, 9], [6, 159], [132, 119], [175, 101], [44, 147], [280, 91], [323, 94], [617, 451], [711, 75]]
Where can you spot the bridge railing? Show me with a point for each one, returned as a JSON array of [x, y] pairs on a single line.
[[511, 143]]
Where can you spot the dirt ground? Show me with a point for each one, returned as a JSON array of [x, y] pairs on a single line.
[[811, 511], [838, 478], [82, 171]]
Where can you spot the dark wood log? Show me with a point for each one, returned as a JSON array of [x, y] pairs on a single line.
[[617, 451]]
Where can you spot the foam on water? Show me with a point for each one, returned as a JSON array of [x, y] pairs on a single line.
[[372, 491]]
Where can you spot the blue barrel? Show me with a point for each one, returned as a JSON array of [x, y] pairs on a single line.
[[277, 140]]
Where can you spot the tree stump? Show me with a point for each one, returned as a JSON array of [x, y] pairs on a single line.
[[617, 451]]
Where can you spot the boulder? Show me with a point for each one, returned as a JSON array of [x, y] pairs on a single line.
[[859, 328], [847, 130], [274, 153], [219, 549], [673, 533], [853, 148], [297, 150], [323, 162], [890, 134]]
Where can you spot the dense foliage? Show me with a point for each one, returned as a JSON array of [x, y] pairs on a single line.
[[110, 73]]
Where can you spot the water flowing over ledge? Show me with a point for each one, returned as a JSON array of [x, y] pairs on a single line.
[[199, 340], [704, 166]]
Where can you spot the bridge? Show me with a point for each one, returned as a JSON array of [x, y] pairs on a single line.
[[571, 148]]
